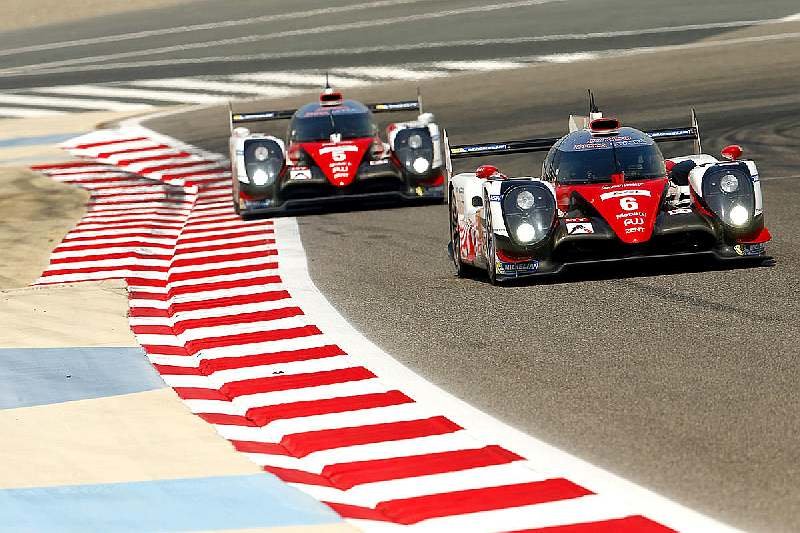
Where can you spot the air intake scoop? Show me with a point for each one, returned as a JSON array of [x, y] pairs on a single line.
[[331, 98], [604, 126]]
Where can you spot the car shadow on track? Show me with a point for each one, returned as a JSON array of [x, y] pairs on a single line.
[[347, 207]]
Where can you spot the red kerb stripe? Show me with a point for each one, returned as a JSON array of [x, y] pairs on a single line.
[[302, 444]]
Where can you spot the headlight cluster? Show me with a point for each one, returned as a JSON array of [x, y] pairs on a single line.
[[414, 149], [728, 192], [529, 212], [264, 160]]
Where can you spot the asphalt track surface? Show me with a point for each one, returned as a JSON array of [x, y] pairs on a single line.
[[683, 378]]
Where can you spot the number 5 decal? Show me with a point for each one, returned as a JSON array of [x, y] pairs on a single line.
[[628, 203]]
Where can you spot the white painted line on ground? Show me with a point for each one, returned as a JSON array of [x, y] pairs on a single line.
[[390, 73], [348, 26], [138, 94], [480, 65], [218, 86], [28, 112], [52, 101], [303, 79], [209, 26]]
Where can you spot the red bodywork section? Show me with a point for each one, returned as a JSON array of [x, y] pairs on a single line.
[[630, 208], [339, 161]]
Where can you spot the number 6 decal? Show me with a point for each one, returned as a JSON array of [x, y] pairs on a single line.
[[628, 203]]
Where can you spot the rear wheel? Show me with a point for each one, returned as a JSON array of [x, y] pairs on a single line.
[[455, 240], [491, 245]]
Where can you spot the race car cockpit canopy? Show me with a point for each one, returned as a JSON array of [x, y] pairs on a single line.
[[584, 156], [318, 122]]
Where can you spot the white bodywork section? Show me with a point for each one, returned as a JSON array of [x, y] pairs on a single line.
[[704, 162], [472, 219]]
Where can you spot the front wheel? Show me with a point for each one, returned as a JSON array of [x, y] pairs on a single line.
[[455, 239], [491, 246]]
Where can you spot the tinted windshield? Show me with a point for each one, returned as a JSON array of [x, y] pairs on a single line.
[[597, 165], [322, 124]]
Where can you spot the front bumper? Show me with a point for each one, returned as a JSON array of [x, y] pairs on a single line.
[[683, 236], [374, 183]]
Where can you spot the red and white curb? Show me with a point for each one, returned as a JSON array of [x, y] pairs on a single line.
[[227, 313]]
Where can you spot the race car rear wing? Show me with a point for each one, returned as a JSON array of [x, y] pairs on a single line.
[[692, 133], [264, 116], [463, 151]]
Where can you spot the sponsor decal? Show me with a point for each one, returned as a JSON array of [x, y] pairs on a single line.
[[749, 250], [253, 116], [495, 197], [300, 173], [517, 268], [378, 162], [626, 192], [632, 214], [477, 148], [679, 211], [257, 204], [579, 228], [635, 229], [396, 106], [672, 133], [634, 221], [603, 144]]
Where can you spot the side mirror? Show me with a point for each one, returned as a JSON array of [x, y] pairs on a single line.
[[732, 152], [477, 201]]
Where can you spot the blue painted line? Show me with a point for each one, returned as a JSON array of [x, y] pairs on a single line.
[[194, 504], [36, 140], [38, 376]]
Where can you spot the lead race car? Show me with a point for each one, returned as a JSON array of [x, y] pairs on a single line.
[[333, 152], [606, 194]]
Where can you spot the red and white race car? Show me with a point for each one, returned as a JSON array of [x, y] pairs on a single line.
[[606, 193], [333, 153]]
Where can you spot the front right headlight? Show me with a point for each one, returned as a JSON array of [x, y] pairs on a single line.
[[529, 211], [264, 161]]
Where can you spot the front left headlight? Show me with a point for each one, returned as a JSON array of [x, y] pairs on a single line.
[[729, 193], [414, 149], [529, 211]]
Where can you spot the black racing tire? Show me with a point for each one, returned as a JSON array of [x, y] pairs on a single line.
[[491, 245], [455, 240], [235, 199]]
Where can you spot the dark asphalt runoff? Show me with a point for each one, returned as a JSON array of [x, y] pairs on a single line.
[[681, 377]]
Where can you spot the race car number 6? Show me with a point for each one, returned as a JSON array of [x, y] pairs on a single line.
[[339, 156], [628, 203]]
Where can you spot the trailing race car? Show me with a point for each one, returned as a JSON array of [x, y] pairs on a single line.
[[606, 194], [333, 152]]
